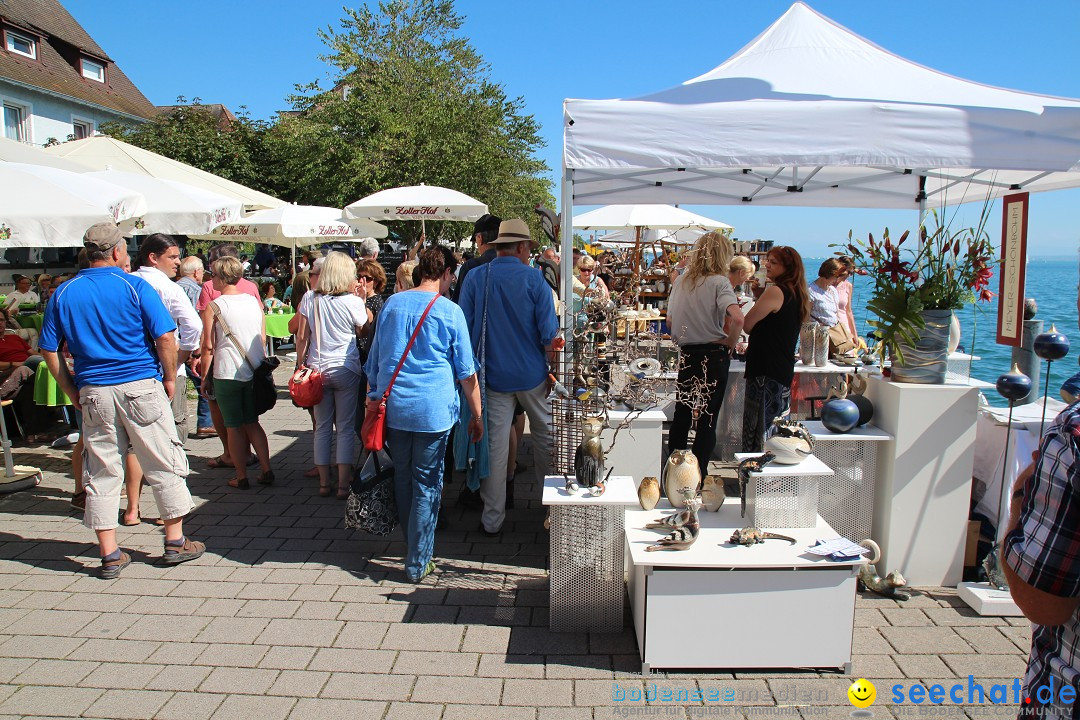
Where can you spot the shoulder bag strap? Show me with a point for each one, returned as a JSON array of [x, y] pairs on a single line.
[[316, 321], [483, 334], [408, 347], [229, 334]]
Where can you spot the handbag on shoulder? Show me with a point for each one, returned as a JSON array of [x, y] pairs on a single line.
[[306, 384], [373, 431]]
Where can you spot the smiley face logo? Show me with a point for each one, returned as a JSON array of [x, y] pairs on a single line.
[[862, 693]]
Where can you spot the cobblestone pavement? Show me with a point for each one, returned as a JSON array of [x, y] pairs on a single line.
[[289, 615]]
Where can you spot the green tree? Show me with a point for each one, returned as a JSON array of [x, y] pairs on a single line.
[[411, 103]]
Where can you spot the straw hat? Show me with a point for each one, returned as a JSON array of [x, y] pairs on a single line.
[[514, 230]]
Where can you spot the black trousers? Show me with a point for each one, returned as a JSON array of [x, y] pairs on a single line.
[[702, 385]]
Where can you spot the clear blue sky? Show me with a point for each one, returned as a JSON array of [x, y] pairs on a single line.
[[246, 53]]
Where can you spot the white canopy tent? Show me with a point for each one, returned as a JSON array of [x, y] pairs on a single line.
[[626, 237], [811, 114], [656, 217], [172, 207]]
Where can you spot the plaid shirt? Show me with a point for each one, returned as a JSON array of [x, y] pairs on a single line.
[[1044, 550]]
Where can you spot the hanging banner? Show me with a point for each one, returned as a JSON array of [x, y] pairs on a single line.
[[1014, 220]]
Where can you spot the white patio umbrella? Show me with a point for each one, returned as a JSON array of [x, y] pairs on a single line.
[[48, 207], [14, 151], [656, 217], [417, 202], [175, 208], [101, 152], [296, 225]]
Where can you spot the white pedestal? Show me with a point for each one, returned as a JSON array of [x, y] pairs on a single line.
[[784, 495], [587, 567], [638, 448], [793, 609], [846, 500], [923, 490], [987, 600]]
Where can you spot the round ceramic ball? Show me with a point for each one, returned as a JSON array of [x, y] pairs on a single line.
[[1013, 385], [866, 408], [1051, 345], [840, 416]]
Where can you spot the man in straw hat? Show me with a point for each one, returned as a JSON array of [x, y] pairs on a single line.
[[512, 323], [122, 385]]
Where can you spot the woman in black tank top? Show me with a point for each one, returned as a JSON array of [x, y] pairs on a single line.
[[773, 324]]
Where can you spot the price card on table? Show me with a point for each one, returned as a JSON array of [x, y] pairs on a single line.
[[838, 548]]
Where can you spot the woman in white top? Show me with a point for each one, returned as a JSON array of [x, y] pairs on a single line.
[[326, 341], [234, 373]]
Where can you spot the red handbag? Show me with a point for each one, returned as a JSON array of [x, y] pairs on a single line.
[[373, 431], [305, 385]]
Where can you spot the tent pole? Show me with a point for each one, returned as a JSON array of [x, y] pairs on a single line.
[[922, 202], [567, 254]]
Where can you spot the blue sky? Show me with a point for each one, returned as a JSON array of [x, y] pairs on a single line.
[[241, 52]]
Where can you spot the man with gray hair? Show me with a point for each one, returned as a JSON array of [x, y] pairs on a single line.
[[189, 277], [369, 249], [123, 381]]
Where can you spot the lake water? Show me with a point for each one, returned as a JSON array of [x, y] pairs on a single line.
[[1053, 284]]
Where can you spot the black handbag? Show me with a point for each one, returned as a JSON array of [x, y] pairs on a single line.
[[371, 506], [263, 381]]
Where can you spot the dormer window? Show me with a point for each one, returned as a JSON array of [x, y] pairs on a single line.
[[93, 70], [21, 44]]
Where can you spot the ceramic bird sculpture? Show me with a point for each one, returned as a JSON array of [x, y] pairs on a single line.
[[648, 492], [712, 493], [683, 537], [747, 466], [589, 458], [680, 473]]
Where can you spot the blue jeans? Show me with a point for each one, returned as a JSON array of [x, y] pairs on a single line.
[[203, 406], [418, 473]]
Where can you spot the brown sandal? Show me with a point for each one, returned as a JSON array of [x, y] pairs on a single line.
[[266, 478], [239, 483]]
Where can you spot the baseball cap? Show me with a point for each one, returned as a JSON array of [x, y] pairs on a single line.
[[103, 236]]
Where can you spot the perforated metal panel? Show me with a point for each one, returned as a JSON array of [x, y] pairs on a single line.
[[586, 576], [958, 368], [782, 501], [846, 499]]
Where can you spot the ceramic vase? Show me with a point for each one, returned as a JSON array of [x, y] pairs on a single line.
[[806, 343], [926, 362], [821, 345], [648, 492]]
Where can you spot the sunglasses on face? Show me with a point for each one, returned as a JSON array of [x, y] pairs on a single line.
[[365, 278]]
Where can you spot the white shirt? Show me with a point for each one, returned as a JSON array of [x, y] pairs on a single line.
[[245, 319], [188, 324], [334, 344], [16, 298]]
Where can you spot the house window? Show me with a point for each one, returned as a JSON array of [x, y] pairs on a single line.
[[93, 70], [15, 123], [82, 129], [21, 44]]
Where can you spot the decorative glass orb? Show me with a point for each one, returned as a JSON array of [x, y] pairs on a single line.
[[1014, 384]]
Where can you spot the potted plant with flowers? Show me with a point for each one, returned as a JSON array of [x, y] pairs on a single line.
[[917, 286]]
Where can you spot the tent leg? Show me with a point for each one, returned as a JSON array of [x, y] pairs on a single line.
[[567, 251]]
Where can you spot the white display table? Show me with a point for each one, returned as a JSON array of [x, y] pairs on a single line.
[[784, 495], [846, 500], [721, 606], [587, 566], [923, 486]]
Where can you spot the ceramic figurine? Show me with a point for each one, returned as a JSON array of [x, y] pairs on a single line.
[[680, 473], [790, 441], [712, 493], [648, 492], [682, 537], [589, 458]]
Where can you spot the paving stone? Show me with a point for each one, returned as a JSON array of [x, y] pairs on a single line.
[[190, 706], [469, 712], [164, 606], [541, 641], [299, 683], [284, 657], [432, 614], [869, 617], [166, 628], [810, 691], [179, 678], [362, 635], [922, 666], [563, 713], [416, 711], [245, 681], [480, 691], [591, 693], [872, 667], [177, 653], [43, 701], [266, 591], [231, 655], [314, 610], [12, 667], [906, 617], [926, 640], [314, 592], [313, 633], [233, 630], [207, 589], [1019, 636], [839, 712], [987, 666], [381, 612], [40, 646], [254, 706], [413, 662], [321, 709], [108, 625], [959, 616], [987, 640], [43, 599], [121, 704], [353, 660], [366, 686], [220, 607], [422, 637], [498, 665], [577, 667], [121, 675], [527, 692], [50, 622], [54, 672]]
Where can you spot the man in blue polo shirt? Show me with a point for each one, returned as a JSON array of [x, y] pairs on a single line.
[[515, 304], [122, 340]]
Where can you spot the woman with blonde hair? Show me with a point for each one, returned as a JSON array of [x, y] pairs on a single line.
[[234, 371], [740, 270], [326, 341], [705, 321]]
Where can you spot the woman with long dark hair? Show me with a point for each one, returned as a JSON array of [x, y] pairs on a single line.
[[773, 324], [705, 321]]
